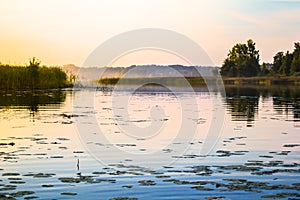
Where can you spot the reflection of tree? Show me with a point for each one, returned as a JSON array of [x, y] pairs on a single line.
[[31, 100], [34, 105], [287, 100], [242, 103]]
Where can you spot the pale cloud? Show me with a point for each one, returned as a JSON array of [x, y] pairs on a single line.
[[273, 21]]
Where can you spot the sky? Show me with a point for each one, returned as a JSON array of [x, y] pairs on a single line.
[[66, 31]]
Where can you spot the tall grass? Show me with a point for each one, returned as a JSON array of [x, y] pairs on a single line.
[[27, 77]]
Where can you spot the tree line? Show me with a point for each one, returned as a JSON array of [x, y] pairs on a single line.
[[32, 76], [243, 61]]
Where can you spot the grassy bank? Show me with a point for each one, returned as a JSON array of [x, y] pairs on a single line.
[[167, 81], [199, 81], [32, 77], [267, 80]]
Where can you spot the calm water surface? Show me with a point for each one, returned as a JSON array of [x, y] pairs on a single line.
[[53, 147]]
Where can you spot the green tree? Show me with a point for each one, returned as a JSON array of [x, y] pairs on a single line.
[[295, 66], [264, 70], [285, 67], [242, 60], [277, 62], [229, 68], [33, 68]]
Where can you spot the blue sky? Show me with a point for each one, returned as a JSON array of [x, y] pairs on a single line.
[[64, 31]]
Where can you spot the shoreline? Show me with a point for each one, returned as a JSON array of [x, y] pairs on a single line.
[[262, 81], [200, 81]]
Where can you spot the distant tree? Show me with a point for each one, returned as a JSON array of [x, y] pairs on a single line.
[[277, 62], [242, 60], [252, 66], [285, 67], [33, 68], [72, 78], [229, 68], [295, 66], [215, 71], [264, 69]]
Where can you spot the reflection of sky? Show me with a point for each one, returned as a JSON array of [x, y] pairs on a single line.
[[61, 32], [270, 131], [36, 157], [17, 122]]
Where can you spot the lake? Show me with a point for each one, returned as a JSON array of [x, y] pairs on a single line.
[[150, 144]]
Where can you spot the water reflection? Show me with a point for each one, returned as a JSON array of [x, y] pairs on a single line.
[[243, 102], [32, 100], [286, 101]]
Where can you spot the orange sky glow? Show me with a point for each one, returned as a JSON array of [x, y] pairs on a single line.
[[66, 32]]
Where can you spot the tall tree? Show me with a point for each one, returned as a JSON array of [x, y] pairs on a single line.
[[277, 62], [242, 60], [285, 67], [264, 70], [295, 66], [33, 68]]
